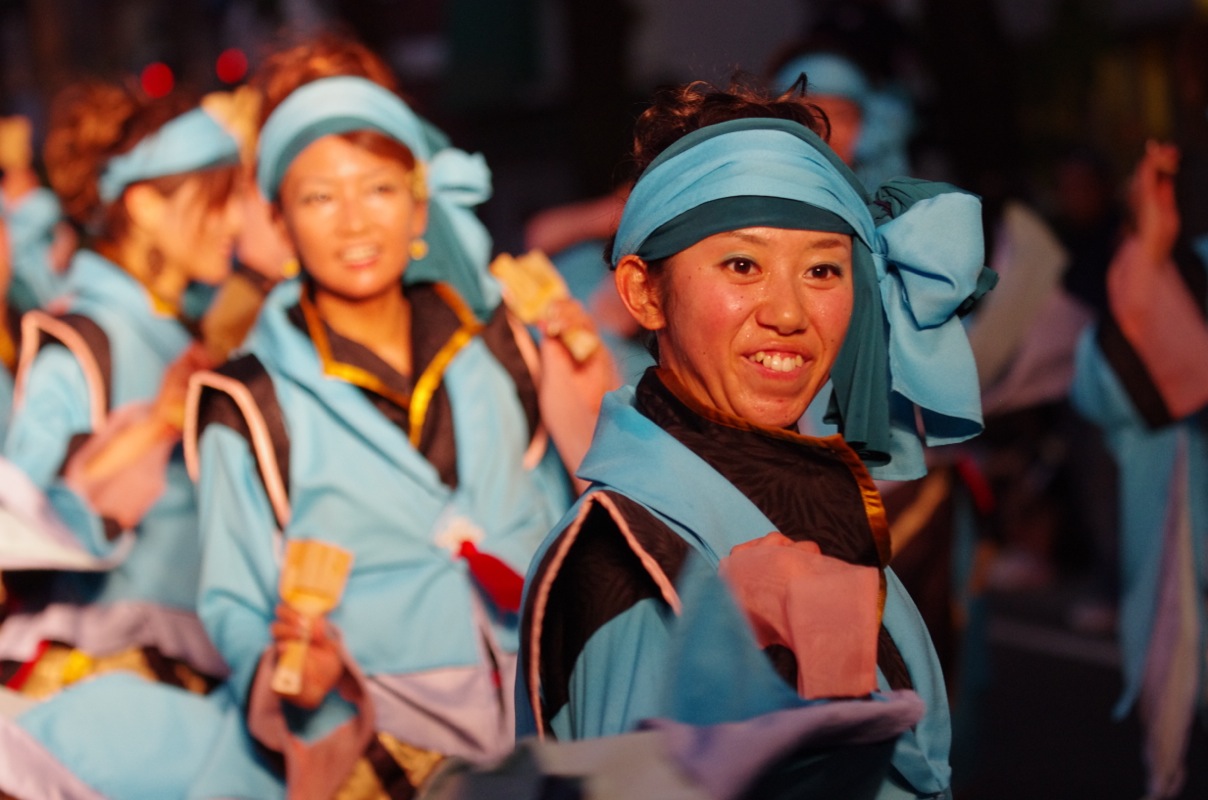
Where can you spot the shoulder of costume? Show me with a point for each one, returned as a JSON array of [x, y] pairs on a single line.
[[612, 553], [240, 395], [88, 344]]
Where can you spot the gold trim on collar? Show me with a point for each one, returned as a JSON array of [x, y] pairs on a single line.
[[434, 373], [429, 380]]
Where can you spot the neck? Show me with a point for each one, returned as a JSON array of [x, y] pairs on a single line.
[[381, 323]]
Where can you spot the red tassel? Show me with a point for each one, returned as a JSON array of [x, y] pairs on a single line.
[[501, 583], [23, 672], [979, 487]]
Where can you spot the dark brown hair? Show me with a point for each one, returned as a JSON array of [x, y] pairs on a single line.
[[324, 56], [676, 111]]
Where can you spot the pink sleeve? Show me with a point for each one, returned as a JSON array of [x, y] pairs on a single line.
[[823, 609], [1162, 323]]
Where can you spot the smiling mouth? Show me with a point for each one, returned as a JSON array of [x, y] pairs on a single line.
[[777, 362], [359, 254]]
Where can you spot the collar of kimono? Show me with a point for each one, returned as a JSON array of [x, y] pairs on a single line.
[[429, 380], [192, 142]]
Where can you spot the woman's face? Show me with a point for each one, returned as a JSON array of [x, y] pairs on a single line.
[[197, 235], [750, 321], [351, 215]]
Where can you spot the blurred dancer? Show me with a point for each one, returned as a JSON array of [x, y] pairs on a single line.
[[1142, 376], [40, 241], [154, 181]]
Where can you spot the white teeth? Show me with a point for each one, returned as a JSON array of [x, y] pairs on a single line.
[[777, 362], [359, 253]]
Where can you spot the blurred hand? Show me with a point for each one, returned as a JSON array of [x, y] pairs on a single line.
[[322, 667], [16, 150], [1152, 199], [567, 321], [170, 402]]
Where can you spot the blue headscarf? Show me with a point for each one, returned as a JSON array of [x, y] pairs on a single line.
[[189, 143], [459, 245], [917, 254]]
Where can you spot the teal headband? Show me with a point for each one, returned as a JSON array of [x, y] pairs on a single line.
[[189, 143], [917, 253], [746, 158], [459, 245]]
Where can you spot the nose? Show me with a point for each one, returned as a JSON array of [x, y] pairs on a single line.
[[352, 213], [784, 306]]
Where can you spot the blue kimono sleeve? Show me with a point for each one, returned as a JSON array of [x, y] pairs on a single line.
[[618, 679], [238, 592], [53, 411]]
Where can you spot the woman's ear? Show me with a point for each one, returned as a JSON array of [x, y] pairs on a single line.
[[640, 293]]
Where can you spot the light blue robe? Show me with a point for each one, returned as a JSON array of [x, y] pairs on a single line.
[[149, 597], [619, 678]]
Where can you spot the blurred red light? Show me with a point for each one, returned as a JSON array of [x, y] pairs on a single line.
[[157, 79], [231, 65]]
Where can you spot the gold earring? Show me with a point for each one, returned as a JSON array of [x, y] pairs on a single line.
[[418, 249]]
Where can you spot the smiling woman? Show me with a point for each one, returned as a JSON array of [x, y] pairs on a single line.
[[762, 269], [758, 318]]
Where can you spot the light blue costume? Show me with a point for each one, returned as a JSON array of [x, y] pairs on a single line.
[[914, 265], [148, 597], [412, 617], [31, 225]]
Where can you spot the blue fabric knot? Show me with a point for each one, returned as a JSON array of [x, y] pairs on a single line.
[[928, 263], [461, 178]]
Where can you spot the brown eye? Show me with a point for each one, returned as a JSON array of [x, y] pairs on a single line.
[[741, 266]]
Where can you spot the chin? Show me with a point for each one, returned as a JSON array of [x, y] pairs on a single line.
[[773, 417]]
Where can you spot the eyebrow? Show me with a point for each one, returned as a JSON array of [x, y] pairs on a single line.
[[820, 244]]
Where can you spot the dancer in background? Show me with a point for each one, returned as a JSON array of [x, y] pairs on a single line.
[[155, 183], [40, 240], [1142, 376], [409, 421]]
